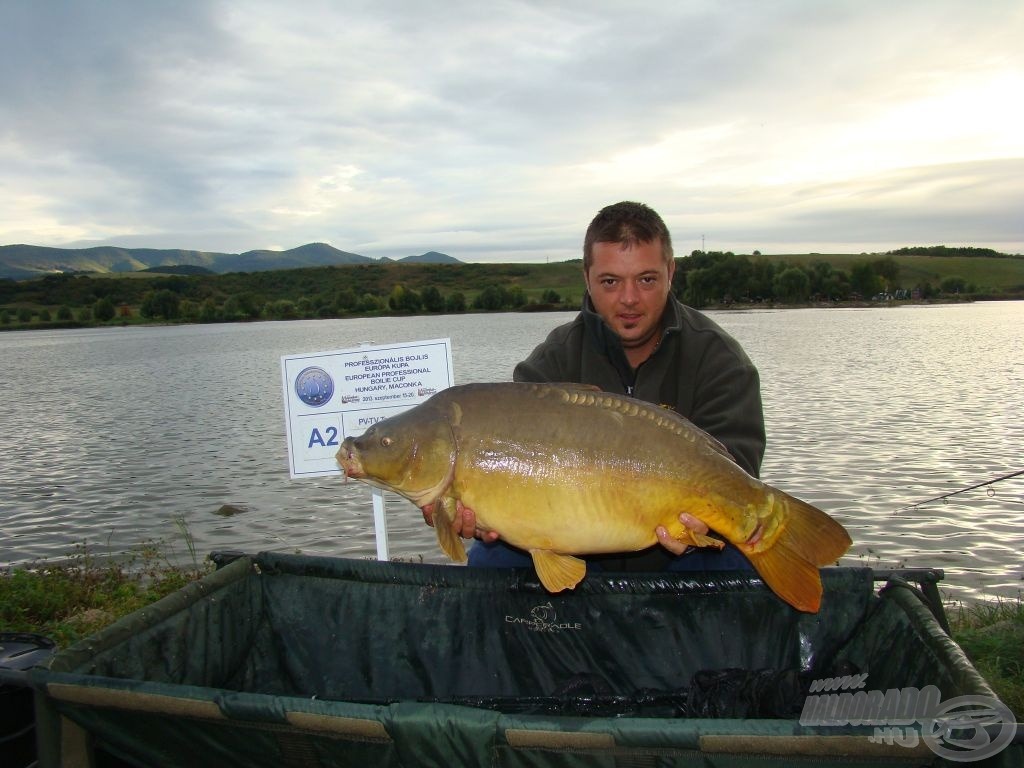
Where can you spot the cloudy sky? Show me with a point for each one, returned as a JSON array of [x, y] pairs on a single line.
[[496, 130]]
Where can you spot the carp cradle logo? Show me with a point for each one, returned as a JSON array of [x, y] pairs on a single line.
[[542, 619], [314, 386], [960, 729]]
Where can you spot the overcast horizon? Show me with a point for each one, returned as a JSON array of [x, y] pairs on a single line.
[[494, 131]]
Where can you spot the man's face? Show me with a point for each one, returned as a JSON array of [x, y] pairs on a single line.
[[629, 287]]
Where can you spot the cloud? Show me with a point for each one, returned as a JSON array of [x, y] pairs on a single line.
[[497, 130]]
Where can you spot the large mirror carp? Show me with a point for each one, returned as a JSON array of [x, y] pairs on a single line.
[[563, 469]]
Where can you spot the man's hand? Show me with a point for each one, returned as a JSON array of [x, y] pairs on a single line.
[[464, 523], [675, 546]]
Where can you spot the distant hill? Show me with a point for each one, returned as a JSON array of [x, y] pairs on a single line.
[[430, 257], [21, 262], [311, 255], [26, 261]]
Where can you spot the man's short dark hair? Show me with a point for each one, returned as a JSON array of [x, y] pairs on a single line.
[[628, 224]]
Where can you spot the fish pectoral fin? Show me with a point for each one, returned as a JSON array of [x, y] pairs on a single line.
[[557, 572], [444, 519], [695, 539], [684, 535]]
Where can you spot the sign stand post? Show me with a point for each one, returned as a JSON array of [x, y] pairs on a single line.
[[380, 518], [380, 524]]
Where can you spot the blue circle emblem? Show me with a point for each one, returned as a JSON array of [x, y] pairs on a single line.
[[314, 386]]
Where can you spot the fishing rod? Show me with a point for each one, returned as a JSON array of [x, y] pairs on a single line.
[[964, 490]]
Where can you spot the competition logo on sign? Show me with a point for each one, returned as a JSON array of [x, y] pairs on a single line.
[[314, 386]]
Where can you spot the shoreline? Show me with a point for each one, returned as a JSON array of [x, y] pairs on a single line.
[[136, 320]]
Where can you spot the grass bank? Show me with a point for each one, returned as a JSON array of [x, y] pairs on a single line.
[[80, 595], [72, 599], [992, 635]]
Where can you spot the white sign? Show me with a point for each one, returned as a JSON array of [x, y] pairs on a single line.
[[329, 396]]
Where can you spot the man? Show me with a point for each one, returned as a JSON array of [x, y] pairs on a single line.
[[633, 337]]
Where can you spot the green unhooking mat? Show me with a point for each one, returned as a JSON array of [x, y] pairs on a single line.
[[283, 660]]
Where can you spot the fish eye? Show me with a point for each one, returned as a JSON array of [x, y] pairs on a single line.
[[385, 441]]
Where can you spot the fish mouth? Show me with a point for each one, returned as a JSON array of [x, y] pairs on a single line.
[[349, 462]]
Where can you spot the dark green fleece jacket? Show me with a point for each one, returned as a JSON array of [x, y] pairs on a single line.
[[697, 369]]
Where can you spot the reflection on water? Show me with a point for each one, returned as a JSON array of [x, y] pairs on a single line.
[[110, 436]]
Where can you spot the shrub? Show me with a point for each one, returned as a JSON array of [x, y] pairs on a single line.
[[103, 310]]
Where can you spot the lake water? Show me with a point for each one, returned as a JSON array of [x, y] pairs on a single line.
[[114, 437]]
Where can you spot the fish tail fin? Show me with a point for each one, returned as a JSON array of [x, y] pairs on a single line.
[[444, 512], [558, 572], [808, 540]]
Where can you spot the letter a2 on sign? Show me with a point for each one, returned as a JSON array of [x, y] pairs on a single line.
[[329, 396]]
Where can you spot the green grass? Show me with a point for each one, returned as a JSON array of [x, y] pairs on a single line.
[[987, 273], [992, 635], [74, 598]]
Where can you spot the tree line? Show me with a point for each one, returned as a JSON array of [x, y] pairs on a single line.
[[723, 278], [702, 279], [322, 292], [945, 250]]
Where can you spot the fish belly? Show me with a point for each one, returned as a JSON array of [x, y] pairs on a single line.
[[567, 520]]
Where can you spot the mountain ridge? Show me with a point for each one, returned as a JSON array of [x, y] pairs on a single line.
[[23, 261]]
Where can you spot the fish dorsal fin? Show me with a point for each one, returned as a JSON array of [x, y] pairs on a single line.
[[447, 539], [557, 572]]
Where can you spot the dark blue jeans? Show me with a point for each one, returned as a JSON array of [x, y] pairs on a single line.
[[501, 555]]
